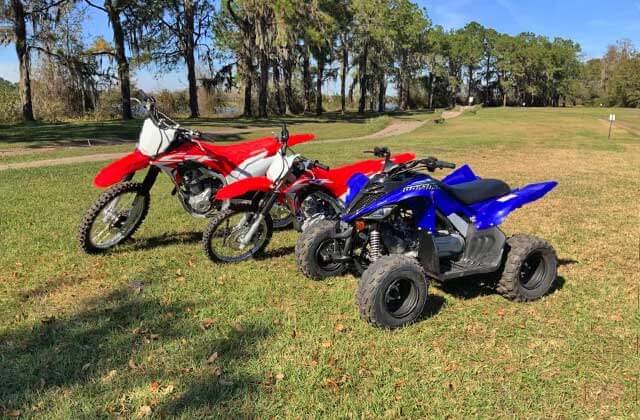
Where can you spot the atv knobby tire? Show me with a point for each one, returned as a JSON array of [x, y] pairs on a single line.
[[308, 246], [84, 230], [378, 280], [530, 269]]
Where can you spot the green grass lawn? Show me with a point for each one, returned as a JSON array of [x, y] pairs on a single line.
[[85, 337]]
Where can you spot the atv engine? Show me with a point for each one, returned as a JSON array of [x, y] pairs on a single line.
[[199, 188], [400, 236]]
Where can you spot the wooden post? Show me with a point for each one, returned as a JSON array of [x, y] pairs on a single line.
[[612, 119]]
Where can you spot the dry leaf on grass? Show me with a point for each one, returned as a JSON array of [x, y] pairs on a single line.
[[616, 318], [213, 357], [144, 411], [280, 376], [207, 323], [133, 365], [327, 344], [340, 328], [501, 313], [110, 375], [13, 413], [236, 326], [154, 386]]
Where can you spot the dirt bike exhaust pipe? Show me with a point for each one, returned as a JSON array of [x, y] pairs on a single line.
[[252, 231]]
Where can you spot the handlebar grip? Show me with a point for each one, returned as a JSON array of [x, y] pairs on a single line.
[[320, 165], [447, 165]]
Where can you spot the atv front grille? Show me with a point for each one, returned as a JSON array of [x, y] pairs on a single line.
[[366, 199]]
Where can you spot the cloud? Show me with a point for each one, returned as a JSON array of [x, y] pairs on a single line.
[[449, 15], [9, 71]]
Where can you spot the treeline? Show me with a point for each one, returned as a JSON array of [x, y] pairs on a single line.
[[279, 56]]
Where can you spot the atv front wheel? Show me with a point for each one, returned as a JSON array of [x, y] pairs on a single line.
[[529, 270], [392, 292], [314, 250]]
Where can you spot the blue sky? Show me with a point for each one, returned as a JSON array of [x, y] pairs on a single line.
[[593, 23]]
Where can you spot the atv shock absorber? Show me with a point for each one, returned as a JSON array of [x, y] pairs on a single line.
[[375, 244]]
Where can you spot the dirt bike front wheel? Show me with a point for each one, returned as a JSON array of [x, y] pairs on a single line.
[[114, 217], [236, 234]]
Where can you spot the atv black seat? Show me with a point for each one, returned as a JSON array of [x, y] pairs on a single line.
[[477, 191]]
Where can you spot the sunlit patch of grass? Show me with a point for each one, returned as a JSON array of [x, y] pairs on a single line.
[[79, 337]]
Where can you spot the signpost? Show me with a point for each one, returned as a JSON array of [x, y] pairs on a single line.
[[612, 120]]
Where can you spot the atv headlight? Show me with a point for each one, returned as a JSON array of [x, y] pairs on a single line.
[[379, 214]]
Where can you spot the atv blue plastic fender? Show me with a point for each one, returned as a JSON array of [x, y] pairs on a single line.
[[493, 212], [460, 175]]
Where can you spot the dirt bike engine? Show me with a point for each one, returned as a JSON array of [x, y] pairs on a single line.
[[199, 188]]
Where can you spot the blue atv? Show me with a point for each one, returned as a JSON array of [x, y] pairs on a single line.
[[402, 227]]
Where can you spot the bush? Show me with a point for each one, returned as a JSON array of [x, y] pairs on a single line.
[[9, 101]]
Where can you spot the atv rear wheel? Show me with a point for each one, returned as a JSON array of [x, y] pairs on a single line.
[[392, 292], [314, 249], [530, 269]]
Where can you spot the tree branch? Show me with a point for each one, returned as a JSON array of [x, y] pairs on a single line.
[[96, 6]]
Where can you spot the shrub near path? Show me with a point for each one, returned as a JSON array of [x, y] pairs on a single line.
[[154, 327]]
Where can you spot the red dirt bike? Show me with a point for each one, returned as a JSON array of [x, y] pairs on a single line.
[[197, 168], [311, 191]]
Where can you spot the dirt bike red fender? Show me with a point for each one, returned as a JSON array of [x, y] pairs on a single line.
[[403, 157], [240, 188], [300, 138], [116, 171]]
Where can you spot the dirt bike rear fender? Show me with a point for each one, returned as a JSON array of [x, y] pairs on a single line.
[[240, 188]]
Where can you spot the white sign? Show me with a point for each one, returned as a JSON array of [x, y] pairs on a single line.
[[612, 117]]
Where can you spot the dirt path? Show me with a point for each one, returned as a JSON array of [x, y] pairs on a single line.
[[395, 128], [61, 161]]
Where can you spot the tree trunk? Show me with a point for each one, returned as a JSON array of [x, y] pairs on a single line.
[[343, 77], [319, 77], [189, 56], [22, 50], [382, 93], [470, 82], [264, 85], [248, 86], [121, 59], [402, 88], [277, 88], [363, 79], [430, 100], [287, 68], [488, 69], [306, 79]]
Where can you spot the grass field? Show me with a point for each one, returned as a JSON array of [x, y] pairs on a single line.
[[154, 327]]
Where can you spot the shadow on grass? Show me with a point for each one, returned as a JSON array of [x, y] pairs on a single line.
[[58, 352], [104, 348], [479, 285], [212, 394], [276, 253], [435, 304], [51, 134], [166, 239]]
